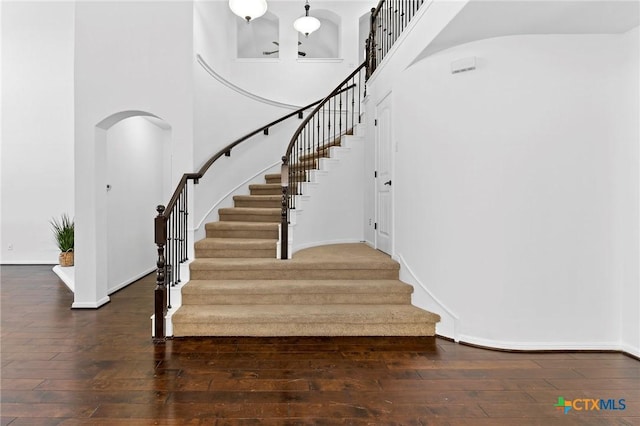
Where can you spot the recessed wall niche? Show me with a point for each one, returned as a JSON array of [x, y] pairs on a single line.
[[325, 42], [259, 38]]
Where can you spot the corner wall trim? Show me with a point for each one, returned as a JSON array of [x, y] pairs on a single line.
[[131, 280], [540, 346], [240, 90], [456, 318], [90, 305]]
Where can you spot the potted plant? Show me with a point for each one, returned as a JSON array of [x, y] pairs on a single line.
[[63, 233]]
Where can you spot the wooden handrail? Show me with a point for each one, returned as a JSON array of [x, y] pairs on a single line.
[[339, 89], [224, 151], [315, 138], [170, 226]]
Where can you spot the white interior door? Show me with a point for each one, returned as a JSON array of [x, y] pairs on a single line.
[[384, 164]]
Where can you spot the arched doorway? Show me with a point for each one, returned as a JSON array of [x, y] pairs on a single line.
[[136, 152], [130, 175]]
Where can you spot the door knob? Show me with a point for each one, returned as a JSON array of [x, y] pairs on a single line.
[[388, 183]]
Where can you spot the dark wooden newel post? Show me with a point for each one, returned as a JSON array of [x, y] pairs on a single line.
[[284, 213], [160, 292]]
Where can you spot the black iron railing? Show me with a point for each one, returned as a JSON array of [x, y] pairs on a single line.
[[171, 228], [388, 20], [332, 118]]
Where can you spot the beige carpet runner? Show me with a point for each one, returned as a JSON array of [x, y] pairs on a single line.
[[239, 288]]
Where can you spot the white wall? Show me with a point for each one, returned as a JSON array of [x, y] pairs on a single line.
[[430, 19], [129, 56], [135, 173], [506, 188], [627, 195], [286, 79], [222, 115], [37, 127]]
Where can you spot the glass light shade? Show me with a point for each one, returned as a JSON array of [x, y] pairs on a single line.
[[306, 24], [248, 9]]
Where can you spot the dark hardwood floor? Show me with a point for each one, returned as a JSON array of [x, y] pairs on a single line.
[[99, 367]]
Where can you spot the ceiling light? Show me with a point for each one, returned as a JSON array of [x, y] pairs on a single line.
[[248, 9], [306, 24]]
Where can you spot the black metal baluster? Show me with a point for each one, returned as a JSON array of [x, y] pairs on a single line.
[[322, 140], [341, 113], [186, 224], [318, 141], [353, 102]]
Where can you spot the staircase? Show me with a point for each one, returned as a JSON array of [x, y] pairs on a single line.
[[237, 286]]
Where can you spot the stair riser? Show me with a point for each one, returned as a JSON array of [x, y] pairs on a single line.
[[297, 299], [307, 274], [320, 154], [273, 179], [227, 253], [261, 204], [249, 218], [266, 191], [241, 233], [313, 329]]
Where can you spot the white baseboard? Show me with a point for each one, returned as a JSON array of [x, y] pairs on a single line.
[[67, 275], [540, 346], [27, 262], [131, 280], [630, 350], [450, 320], [90, 305]]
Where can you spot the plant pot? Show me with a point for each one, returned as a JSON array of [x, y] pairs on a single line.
[[66, 258]]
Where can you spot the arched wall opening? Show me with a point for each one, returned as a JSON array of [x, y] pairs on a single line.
[[131, 175], [136, 163], [258, 36], [324, 43]]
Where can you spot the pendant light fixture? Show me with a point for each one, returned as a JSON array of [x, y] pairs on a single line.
[[248, 9], [306, 24]]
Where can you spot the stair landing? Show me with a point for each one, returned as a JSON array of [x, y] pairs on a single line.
[[334, 290]]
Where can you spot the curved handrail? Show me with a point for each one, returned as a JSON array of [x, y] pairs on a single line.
[[239, 89], [226, 151], [322, 103], [321, 129], [171, 227]]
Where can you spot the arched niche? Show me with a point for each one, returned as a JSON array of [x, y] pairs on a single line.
[[325, 42], [258, 38]]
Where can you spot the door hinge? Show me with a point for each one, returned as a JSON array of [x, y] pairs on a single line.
[[375, 122], [375, 225], [375, 174]]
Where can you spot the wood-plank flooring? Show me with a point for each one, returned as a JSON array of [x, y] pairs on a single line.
[[99, 367]]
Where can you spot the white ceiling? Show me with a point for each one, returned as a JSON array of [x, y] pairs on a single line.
[[482, 19]]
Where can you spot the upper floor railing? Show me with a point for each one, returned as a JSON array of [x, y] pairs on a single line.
[[388, 20]]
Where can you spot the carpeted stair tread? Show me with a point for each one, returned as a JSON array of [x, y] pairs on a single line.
[[293, 264], [249, 210], [298, 292], [257, 201], [257, 197], [201, 287], [304, 314], [250, 214], [233, 229], [235, 243], [273, 178], [265, 189]]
